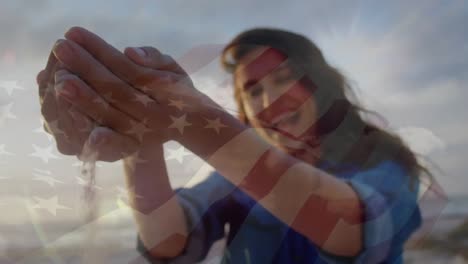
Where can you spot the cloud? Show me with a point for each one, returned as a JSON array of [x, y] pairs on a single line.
[[421, 140], [173, 26]]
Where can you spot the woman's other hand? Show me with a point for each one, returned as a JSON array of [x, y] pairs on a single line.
[[71, 129]]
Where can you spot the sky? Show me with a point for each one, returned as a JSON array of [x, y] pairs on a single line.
[[407, 60]]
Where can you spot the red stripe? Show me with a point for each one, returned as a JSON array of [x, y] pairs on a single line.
[[291, 100], [265, 63], [431, 205], [316, 220], [266, 173]]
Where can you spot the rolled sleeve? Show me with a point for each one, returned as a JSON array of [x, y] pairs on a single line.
[[203, 206], [391, 213], [192, 253], [378, 225]]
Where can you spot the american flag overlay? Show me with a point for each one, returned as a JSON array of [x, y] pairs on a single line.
[[73, 206]]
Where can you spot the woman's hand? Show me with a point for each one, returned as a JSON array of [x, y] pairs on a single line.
[[142, 94], [72, 129]]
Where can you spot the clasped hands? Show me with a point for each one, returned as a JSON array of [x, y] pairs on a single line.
[[91, 93]]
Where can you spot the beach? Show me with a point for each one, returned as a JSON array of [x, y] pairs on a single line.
[[115, 241]]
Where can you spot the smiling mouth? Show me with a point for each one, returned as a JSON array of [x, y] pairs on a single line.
[[283, 122], [282, 132]]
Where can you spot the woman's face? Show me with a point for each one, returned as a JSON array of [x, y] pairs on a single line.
[[276, 103]]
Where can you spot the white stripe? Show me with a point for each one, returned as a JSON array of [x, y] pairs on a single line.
[[237, 157]]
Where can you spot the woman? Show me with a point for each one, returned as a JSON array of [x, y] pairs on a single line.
[[313, 182]]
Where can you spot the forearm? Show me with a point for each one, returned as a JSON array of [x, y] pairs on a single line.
[[316, 204], [159, 217], [313, 202]]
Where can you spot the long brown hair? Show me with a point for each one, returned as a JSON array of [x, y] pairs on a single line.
[[346, 136]]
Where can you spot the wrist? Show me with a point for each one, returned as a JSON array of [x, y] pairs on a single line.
[[146, 152], [208, 130]]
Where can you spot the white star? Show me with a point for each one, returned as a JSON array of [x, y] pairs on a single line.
[[138, 129], [55, 128], [50, 90], [106, 100], [108, 97], [43, 171], [143, 98], [130, 166], [179, 104], [123, 193], [9, 86], [135, 159], [139, 160], [101, 101], [47, 179], [80, 163], [4, 152], [43, 153], [214, 124], [83, 182], [178, 154], [88, 124], [180, 123], [5, 112], [146, 89], [41, 130], [50, 205]]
